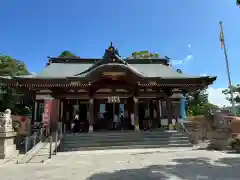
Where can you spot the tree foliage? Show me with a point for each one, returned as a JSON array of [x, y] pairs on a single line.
[[10, 67], [67, 54], [238, 2], [236, 92], [198, 103], [144, 55]]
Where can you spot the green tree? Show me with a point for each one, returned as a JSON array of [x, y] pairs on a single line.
[[198, 103], [144, 55], [236, 91], [67, 54], [10, 67], [238, 2]]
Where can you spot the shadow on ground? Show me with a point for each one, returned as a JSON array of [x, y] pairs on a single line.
[[188, 168]]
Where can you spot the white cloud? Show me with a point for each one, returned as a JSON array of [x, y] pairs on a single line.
[[189, 46], [215, 96], [187, 58], [204, 74], [33, 73]]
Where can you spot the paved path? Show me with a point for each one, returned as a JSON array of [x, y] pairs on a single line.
[[157, 164]]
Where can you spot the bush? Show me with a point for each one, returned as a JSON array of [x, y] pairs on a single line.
[[235, 142]]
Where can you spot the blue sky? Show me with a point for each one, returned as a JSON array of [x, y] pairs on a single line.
[[32, 30]]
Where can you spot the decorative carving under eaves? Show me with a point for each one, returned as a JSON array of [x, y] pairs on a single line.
[[71, 90], [75, 82]]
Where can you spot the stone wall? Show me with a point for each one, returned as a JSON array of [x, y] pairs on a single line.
[[216, 128], [235, 124]]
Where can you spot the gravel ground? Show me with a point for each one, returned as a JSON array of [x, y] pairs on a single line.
[[160, 164]]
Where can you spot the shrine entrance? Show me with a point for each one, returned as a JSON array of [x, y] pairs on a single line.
[[112, 114]]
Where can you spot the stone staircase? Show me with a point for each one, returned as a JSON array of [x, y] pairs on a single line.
[[124, 140]]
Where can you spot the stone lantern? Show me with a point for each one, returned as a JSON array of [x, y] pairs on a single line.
[[7, 135]]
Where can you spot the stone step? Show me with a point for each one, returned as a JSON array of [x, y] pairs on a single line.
[[112, 140], [117, 143], [124, 140], [127, 133], [79, 136], [126, 147]]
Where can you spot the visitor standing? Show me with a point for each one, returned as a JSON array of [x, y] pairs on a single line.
[[122, 120], [76, 126], [132, 120], [115, 121]]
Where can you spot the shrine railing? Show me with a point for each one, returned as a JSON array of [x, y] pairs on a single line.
[[37, 136], [181, 127], [55, 140]]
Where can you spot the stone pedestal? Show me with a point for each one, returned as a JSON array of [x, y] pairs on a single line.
[[219, 139], [7, 146]]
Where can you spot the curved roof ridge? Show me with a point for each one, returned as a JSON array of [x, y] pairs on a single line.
[[98, 63], [95, 65], [134, 69], [113, 64]]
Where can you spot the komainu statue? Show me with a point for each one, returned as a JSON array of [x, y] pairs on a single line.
[[6, 118]]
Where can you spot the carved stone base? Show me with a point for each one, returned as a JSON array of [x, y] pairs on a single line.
[[90, 128], [219, 139], [7, 146]]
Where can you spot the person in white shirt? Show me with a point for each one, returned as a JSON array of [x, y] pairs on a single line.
[[76, 124], [115, 121], [132, 120]]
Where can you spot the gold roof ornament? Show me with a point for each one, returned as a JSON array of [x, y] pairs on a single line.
[[111, 48]]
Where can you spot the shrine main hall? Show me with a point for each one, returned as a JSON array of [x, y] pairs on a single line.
[[98, 89]]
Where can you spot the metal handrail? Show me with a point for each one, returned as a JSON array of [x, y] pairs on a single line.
[[31, 141], [58, 137], [50, 146], [184, 128]]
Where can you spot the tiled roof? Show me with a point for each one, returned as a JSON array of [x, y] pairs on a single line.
[[61, 70]]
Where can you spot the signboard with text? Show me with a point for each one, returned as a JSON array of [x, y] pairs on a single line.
[[47, 112]]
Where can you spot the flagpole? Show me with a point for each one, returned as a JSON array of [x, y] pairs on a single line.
[[228, 70]]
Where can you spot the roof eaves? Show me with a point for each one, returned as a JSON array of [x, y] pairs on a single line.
[[41, 78], [191, 77], [25, 76], [5, 77]]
